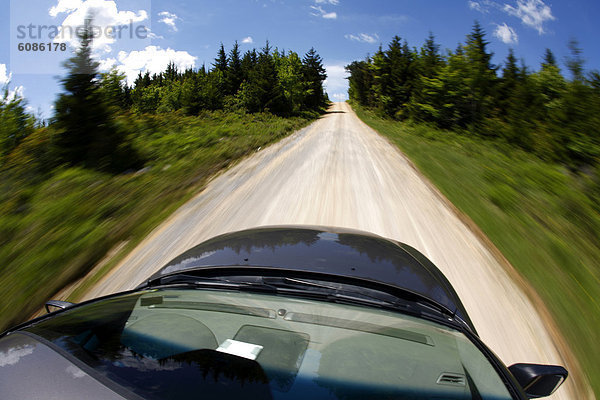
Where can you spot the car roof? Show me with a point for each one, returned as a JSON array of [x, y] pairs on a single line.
[[325, 250]]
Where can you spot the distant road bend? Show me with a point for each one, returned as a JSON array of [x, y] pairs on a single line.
[[339, 172]]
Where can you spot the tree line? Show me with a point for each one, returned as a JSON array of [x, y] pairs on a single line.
[[270, 80], [84, 130], [541, 111]]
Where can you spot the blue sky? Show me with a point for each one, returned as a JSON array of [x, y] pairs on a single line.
[[190, 32]]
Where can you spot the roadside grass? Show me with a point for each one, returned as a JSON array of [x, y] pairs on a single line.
[[56, 225], [536, 213]]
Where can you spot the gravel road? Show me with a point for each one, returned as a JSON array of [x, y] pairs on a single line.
[[339, 172]]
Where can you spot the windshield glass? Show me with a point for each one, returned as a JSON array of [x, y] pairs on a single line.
[[173, 343]]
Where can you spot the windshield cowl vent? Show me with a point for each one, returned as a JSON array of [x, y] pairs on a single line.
[[449, 378]]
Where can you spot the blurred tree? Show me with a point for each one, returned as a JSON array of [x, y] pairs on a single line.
[[549, 59], [481, 74], [430, 59], [575, 61], [426, 85], [114, 89], [86, 134], [361, 82], [15, 123], [508, 83]]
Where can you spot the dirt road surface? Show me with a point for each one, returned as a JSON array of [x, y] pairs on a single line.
[[339, 172]]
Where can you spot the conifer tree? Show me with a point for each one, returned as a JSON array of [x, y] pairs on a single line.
[[15, 123], [508, 83], [314, 76], [481, 74], [549, 59], [248, 63], [86, 133], [221, 60], [430, 57], [234, 76]]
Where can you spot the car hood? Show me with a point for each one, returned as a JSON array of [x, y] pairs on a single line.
[[336, 251]]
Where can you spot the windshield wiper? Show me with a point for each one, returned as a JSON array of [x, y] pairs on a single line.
[[341, 292], [213, 282], [407, 301]]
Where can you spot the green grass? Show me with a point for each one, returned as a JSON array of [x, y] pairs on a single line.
[[56, 225], [536, 213]]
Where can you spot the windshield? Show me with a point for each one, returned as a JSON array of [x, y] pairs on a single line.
[[174, 343]]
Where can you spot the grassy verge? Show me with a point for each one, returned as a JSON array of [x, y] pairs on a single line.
[[536, 214], [54, 229]]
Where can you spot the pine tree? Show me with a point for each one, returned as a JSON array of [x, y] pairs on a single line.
[[234, 74], [426, 83], [481, 74], [221, 60], [15, 123], [575, 61], [171, 73], [262, 91], [508, 83], [86, 134], [549, 59], [430, 57], [248, 63], [114, 90], [361, 82], [314, 75]]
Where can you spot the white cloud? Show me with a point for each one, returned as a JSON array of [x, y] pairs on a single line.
[[473, 5], [248, 39], [107, 64], [4, 76], [153, 35], [169, 19], [333, 2], [533, 13], [363, 37], [336, 82], [484, 6], [506, 34], [65, 6], [105, 15], [319, 12], [152, 59]]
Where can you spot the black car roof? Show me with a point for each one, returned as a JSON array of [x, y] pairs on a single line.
[[333, 251]]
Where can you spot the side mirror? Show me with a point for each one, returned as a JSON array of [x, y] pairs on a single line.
[[538, 380], [57, 304]]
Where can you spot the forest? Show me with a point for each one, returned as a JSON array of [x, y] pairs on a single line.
[[539, 111]]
